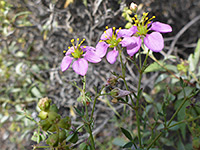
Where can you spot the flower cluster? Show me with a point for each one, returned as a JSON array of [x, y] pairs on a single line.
[[81, 55], [154, 40], [144, 31]]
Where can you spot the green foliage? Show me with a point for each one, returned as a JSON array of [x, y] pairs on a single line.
[[56, 129]]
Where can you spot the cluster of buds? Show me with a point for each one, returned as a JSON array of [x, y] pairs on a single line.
[[51, 121]]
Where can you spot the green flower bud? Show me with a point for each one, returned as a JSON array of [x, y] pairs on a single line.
[[45, 125], [44, 104], [53, 140], [43, 115], [62, 136], [65, 123], [53, 117]]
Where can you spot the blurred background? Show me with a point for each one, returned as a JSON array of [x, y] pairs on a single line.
[[33, 35]]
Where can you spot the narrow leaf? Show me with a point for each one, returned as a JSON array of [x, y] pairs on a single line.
[[127, 134]]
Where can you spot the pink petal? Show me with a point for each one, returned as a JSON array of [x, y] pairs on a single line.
[[101, 49], [161, 27], [124, 33], [87, 48], [133, 29], [112, 56], [133, 48], [107, 34], [154, 41], [66, 61], [69, 51], [129, 41], [91, 56], [80, 66]]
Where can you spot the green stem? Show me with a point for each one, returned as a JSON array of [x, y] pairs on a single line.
[[137, 112], [179, 108], [123, 77], [183, 121], [137, 101], [95, 100], [142, 68], [34, 147], [157, 137], [91, 137]]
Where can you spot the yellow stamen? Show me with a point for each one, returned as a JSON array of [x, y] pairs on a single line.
[[82, 42], [72, 40], [106, 27], [114, 28], [135, 16]]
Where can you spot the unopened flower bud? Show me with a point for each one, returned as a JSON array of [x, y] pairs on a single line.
[[112, 81], [117, 92], [44, 104], [43, 115], [133, 7]]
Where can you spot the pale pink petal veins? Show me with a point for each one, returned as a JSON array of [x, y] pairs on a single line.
[[154, 41], [92, 56], [161, 27], [107, 34], [112, 56], [80, 66], [101, 48], [66, 61]]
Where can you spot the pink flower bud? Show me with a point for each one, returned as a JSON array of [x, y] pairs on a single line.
[[44, 104], [133, 7]]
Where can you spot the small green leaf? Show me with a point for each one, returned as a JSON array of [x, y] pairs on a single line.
[[157, 67], [35, 91], [128, 145], [73, 138], [127, 134], [78, 111], [119, 141], [147, 98], [194, 58]]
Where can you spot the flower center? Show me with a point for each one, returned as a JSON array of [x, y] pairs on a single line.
[[113, 41], [78, 52], [142, 23]]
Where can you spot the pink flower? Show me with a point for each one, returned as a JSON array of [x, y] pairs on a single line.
[[79, 56], [154, 40], [111, 39]]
